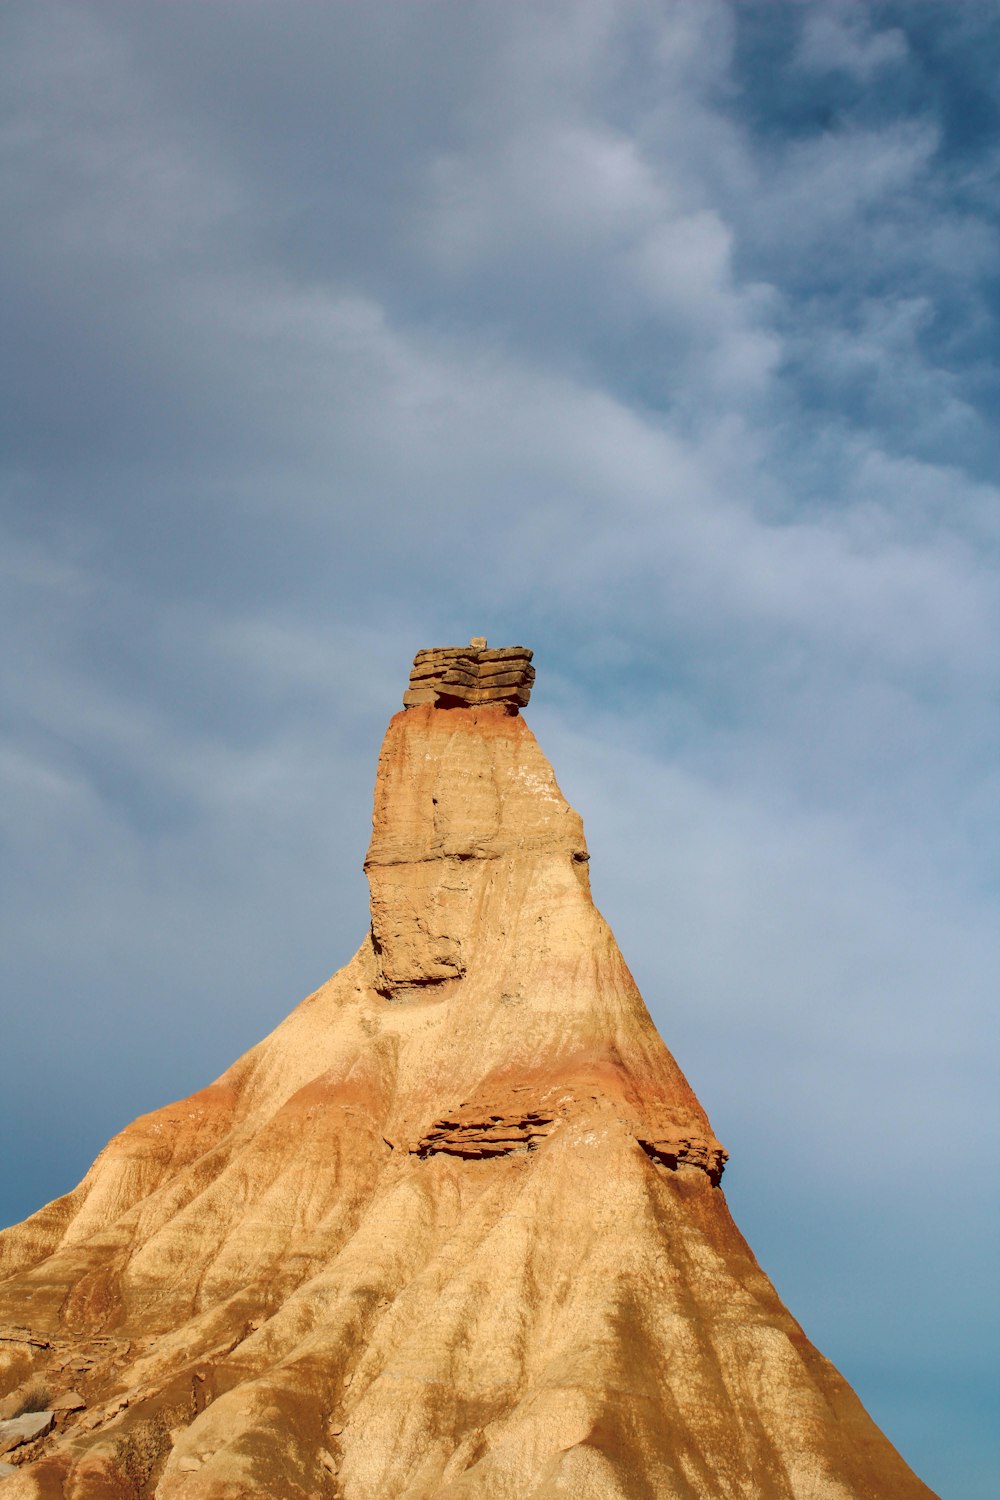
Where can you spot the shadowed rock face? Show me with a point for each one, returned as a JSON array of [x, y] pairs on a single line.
[[452, 1232]]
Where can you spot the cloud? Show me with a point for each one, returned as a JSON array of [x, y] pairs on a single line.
[[841, 37]]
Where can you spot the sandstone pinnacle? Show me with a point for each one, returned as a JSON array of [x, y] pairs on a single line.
[[454, 1231]]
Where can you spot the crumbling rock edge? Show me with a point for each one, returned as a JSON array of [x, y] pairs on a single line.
[[475, 1132], [707, 1156]]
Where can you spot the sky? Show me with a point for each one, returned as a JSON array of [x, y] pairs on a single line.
[[660, 338]]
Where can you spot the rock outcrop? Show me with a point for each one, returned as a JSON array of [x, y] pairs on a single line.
[[17, 1431], [471, 676], [454, 1231]]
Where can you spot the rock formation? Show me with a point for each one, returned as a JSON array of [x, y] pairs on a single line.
[[454, 1231], [468, 676]]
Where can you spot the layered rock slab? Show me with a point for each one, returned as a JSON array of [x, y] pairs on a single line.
[[471, 676], [453, 1230]]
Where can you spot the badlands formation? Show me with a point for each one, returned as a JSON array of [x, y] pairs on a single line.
[[454, 1231]]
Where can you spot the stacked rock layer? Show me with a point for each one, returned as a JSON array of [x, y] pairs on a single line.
[[452, 1232], [471, 676]]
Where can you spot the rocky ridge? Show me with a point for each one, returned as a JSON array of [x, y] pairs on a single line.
[[453, 1231]]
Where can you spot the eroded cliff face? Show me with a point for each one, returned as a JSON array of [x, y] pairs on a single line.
[[453, 1230]]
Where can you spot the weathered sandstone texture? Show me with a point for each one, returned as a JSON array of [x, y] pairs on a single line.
[[454, 1231], [19, 1430], [471, 676]]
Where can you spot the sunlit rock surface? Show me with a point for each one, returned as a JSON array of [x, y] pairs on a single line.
[[454, 1231]]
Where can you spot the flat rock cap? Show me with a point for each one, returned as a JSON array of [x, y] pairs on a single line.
[[471, 676]]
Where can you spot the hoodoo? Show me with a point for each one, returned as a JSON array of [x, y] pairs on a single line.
[[454, 1231]]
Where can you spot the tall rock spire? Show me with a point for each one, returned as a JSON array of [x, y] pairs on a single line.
[[454, 1231]]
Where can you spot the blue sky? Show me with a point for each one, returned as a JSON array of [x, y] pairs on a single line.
[[660, 338]]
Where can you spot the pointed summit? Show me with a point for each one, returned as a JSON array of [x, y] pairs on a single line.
[[454, 1231]]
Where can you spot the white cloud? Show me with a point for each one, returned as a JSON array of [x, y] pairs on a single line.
[[841, 37]]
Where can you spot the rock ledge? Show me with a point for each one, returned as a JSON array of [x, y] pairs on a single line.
[[470, 676]]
